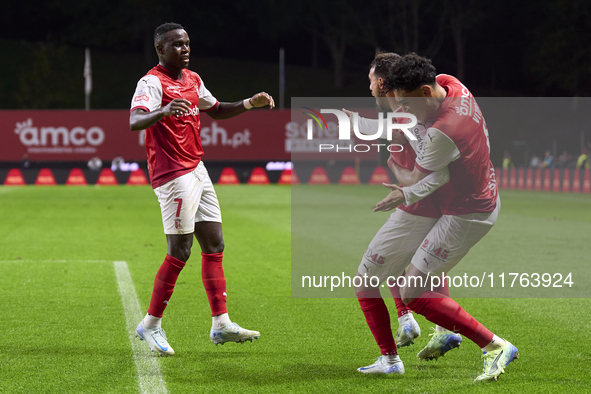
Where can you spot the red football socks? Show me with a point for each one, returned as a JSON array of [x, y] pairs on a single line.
[[378, 320], [164, 285], [449, 314], [214, 282], [443, 288]]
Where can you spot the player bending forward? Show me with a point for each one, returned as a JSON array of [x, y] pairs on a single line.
[[167, 104], [456, 140], [392, 248]]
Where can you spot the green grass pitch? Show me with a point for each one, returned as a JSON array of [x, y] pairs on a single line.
[[64, 327]]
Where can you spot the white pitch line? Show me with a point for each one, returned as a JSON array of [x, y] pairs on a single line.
[[149, 376]]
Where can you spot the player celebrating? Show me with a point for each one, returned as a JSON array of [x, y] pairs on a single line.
[[167, 103], [393, 246], [457, 139]]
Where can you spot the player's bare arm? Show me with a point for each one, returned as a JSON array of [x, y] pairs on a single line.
[[140, 119], [229, 110], [396, 195]]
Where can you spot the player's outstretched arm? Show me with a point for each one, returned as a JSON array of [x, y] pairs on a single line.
[[140, 119], [392, 200], [229, 110]]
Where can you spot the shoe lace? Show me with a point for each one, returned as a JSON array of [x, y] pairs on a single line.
[[433, 331]]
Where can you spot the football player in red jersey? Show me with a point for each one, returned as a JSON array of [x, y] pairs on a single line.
[[167, 104], [456, 140], [393, 246]]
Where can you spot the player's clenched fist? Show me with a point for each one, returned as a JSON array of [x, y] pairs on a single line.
[[262, 99], [176, 107]]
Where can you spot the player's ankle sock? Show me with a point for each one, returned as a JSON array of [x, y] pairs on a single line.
[[164, 285], [152, 321], [449, 314], [439, 328], [494, 344], [391, 358], [405, 318], [400, 306], [219, 321], [378, 320], [214, 282]]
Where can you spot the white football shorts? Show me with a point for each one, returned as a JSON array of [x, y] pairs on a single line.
[[186, 200], [392, 248], [451, 239]]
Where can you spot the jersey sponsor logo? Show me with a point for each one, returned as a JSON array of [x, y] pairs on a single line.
[[420, 142], [193, 111], [175, 89], [142, 97], [468, 106], [58, 139]]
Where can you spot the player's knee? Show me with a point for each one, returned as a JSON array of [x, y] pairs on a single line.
[[405, 295], [216, 246], [180, 248], [182, 252]]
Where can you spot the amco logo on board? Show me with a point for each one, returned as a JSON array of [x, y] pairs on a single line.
[[59, 139]]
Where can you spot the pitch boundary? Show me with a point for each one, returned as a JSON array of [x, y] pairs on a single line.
[[149, 376]]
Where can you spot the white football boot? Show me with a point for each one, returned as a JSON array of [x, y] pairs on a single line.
[[495, 362], [408, 331], [232, 333], [385, 364], [155, 338], [441, 342]]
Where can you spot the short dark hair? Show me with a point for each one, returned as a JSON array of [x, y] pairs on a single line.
[[165, 28], [383, 63], [411, 72]]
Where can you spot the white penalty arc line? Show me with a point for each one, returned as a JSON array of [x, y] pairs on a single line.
[[149, 376]]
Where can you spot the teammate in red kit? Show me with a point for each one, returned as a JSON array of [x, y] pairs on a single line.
[[167, 104], [393, 246], [456, 140]]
